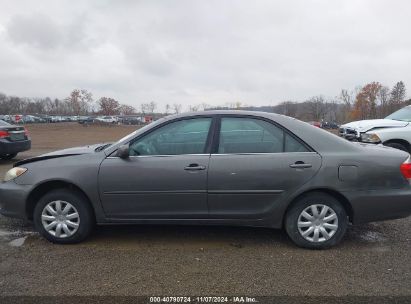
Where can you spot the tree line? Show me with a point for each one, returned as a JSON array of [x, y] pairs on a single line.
[[372, 100], [80, 102]]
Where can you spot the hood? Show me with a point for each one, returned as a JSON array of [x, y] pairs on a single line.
[[75, 150], [64, 153], [367, 125]]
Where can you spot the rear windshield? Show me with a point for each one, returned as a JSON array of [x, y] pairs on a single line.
[[3, 123]]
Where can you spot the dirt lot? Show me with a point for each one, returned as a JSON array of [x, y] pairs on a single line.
[[373, 259]]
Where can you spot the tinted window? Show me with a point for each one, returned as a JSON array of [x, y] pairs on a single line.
[[293, 145], [180, 137], [249, 135]]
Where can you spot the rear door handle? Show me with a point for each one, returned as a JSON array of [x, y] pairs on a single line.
[[194, 167], [300, 165]]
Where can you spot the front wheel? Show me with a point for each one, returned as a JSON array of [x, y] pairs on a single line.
[[316, 221], [63, 216]]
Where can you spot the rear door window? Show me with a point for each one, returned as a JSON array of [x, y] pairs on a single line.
[[250, 135]]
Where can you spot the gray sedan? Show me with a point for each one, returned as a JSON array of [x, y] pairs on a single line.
[[214, 168]]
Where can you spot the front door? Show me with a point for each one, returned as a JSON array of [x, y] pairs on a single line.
[[256, 164], [165, 176]]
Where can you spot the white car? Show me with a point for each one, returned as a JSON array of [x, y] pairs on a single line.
[[393, 131], [107, 119]]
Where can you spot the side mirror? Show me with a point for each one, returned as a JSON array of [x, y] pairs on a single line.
[[123, 152]]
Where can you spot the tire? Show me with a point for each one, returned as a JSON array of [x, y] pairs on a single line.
[[8, 156], [85, 217], [398, 146], [320, 200]]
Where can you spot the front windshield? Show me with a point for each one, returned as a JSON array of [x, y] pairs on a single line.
[[403, 115], [3, 123]]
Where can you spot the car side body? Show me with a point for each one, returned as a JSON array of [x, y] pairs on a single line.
[[217, 187]]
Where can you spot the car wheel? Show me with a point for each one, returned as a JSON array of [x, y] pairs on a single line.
[[397, 146], [8, 156], [316, 221], [63, 216]]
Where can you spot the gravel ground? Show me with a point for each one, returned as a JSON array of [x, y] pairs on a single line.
[[373, 259]]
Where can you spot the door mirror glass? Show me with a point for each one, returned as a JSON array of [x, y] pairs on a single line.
[[123, 151]]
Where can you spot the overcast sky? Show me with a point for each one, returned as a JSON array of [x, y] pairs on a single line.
[[190, 52]]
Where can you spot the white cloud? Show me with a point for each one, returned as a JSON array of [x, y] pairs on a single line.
[[256, 52]]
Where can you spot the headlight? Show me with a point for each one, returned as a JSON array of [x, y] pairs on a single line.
[[370, 138], [13, 173]]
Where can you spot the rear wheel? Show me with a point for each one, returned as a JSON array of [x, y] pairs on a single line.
[[8, 156], [63, 216], [316, 221]]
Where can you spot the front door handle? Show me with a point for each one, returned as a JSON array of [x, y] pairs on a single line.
[[300, 165], [194, 167]]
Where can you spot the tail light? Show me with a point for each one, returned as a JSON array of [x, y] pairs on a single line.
[[26, 132], [406, 169], [4, 134]]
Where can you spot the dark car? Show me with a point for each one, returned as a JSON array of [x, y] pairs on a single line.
[[130, 120], [85, 120], [214, 168], [13, 139]]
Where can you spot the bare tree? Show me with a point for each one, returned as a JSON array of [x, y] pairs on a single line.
[[168, 109], [80, 101], [177, 108], [397, 96], [316, 108], [126, 110], [151, 107], [193, 108], [109, 106], [383, 98]]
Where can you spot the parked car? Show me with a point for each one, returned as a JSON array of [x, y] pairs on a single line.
[[13, 139], [85, 120], [216, 167], [107, 119], [131, 120], [329, 125], [393, 131], [315, 123]]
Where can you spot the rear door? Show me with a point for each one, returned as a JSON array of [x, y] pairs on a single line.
[[255, 163]]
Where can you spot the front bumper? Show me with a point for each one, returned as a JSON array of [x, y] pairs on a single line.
[[11, 147], [13, 199], [379, 205], [349, 134]]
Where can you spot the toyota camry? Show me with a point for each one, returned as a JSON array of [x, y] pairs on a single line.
[[213, 168]]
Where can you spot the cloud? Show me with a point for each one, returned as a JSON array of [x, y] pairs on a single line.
[[37, 30], [258, 52]]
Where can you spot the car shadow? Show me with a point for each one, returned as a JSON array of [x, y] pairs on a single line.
[[186, 236]]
